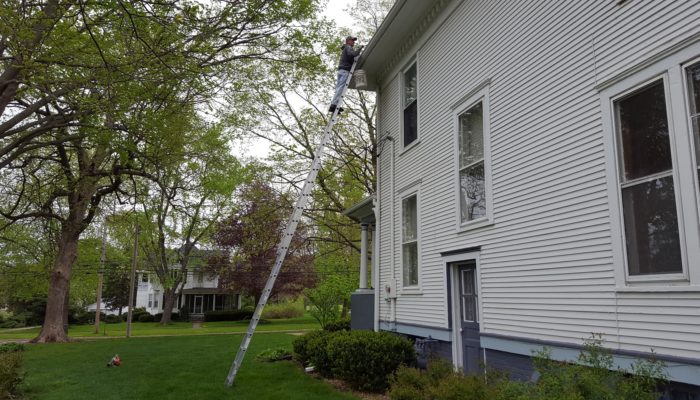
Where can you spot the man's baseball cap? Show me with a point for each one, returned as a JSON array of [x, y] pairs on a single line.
[[351, 37]]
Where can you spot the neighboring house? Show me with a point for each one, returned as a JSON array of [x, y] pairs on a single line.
[[201, 293], [538, 178]]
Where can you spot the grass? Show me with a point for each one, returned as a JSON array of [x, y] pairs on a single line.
[[178, 367], [176, 328]]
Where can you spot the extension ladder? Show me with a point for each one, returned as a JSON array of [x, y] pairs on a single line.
[[283, 246]]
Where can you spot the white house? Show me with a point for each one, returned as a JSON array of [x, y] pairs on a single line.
[[201, 293], [539, 178]]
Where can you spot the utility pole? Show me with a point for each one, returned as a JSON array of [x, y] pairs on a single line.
[[132, 280], [100, 277]]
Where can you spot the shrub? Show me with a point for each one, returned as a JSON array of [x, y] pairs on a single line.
[[11, 323], [11, 375], [112, 319], [317, 350], [11, 347], [146, 318], [591, 378], [283, 310], [271, 355], [136, 312], [302, 352], [366, 360], [339, 325], [173, 317], [229, 315], [326, 298]]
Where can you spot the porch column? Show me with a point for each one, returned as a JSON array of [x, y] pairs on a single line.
[[363, 257]]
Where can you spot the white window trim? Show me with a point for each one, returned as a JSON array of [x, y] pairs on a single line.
[[413, 289], [479, 95], [402, 86], [671, 70]]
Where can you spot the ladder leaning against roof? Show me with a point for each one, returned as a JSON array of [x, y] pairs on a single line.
[[284, 243]]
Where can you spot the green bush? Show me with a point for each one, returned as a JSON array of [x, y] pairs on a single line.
[[366, 360], [11, 374], [11, 347], [339, 325], [11, 323], [590, 379], [228, 315], [146, 318], [302, 351], [112, 319], [317, 350], [173, 317], [272, 355], [284, 310], [136, 312]]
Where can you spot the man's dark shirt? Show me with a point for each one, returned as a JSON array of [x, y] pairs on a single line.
[[347, 56]]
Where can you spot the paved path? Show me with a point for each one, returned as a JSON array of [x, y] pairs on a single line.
[[81, 338]]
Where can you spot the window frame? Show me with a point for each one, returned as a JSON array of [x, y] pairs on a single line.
[[480, 95], [672, 72], [402, 87], [410, 289]]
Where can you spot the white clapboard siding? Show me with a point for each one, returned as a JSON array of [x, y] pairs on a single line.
[[547, 268]]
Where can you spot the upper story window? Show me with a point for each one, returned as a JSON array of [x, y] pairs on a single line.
[[473, 161], [144, 278], [654, 163], [410, 105], [472, 189], [409, 240]]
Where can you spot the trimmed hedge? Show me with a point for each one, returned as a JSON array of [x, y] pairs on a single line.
[[11, 375], [112, 319], [146, 318], [228, 315], [339, 325], [366, 360]]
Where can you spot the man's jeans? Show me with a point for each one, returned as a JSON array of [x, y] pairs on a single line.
[[342, 77]]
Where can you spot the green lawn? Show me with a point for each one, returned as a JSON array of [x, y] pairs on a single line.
[[177, 328], [178, 367]]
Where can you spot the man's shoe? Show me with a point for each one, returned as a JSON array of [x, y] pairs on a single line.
[[340, 109], [332, 108]]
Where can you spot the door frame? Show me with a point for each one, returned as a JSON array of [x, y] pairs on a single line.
[[194, 304], [451, 264]]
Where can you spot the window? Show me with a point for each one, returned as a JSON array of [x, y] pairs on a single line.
[[409, 240], [144, 278], [654, 116], [410, 106], [472, 188], [647, 185], [150, 300], [473, 161], [156, 297]]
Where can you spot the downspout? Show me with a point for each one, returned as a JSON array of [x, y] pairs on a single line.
[[376, 237], [393, 285]]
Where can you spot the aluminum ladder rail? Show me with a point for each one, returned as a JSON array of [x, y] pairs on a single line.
[[286, 240]]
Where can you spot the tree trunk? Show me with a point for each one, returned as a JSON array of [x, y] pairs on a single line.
[[169, 297], [59, 285]]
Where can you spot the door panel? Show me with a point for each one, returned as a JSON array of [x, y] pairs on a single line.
[[469, 316]]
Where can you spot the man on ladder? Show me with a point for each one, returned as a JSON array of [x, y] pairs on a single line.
[[347, 58]]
